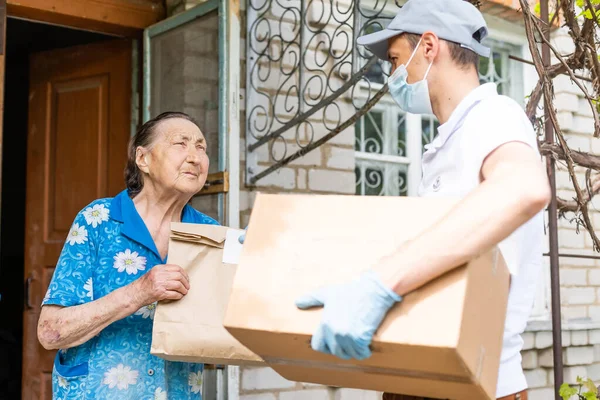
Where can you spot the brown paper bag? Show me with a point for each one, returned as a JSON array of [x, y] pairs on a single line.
[[191, 329]]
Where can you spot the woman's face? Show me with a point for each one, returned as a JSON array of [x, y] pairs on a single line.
[[177, 159]]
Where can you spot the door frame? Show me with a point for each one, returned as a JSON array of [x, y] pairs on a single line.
[[229, 92], [113, 17]]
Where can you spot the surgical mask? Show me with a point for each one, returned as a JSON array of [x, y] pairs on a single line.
[[411, 97]]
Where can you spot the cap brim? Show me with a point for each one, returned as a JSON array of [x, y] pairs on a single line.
[[377, 42]]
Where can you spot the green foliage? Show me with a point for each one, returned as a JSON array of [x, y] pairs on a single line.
[[586, 12], [566, 391], [591, 391]]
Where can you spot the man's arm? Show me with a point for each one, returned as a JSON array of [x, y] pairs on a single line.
[[514, 189]]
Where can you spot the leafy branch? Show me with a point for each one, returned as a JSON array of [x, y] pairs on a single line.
[[581, 18]]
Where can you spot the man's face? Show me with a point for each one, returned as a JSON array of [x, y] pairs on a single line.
[[399, 52]]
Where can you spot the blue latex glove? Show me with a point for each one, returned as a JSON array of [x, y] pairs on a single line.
[[352, 313], [243, 236]]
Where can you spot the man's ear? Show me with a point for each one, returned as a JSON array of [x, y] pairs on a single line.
[[431, 45], [142, 160]]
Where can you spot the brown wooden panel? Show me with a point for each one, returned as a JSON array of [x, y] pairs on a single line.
[[46, 386], [121, 17], [68, 153]]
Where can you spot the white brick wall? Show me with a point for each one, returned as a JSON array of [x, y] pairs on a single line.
[[340, 158], [312, 158], [594, 337], [302, 179], [580, 355], [570, 239], [353, 394], [594, 312], [583, 125], [581, 142], [537, 378], [530, 359], [573, 277], [567, 102], [594, 277], [579, 338], [264, 378], [580, 295], [260, 396], [571, 374], [545, 358], [306, 394], [283, 178], [541, 394], [323, 180], [543, 340]]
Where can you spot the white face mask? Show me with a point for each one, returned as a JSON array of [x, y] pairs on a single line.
[[411, 97]]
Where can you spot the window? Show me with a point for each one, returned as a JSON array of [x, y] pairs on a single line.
[[381, 156]]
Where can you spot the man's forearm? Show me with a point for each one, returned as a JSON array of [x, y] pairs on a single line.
[[484, 218]]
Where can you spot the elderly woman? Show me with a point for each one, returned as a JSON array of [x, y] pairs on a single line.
[[113, 269]]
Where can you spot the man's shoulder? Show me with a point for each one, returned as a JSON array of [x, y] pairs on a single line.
[[500, 107], [501, 114]]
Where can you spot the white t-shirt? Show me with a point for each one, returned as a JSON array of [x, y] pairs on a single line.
[[482, 122]]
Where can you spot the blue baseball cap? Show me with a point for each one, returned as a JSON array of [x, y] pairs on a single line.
[[456, 21]]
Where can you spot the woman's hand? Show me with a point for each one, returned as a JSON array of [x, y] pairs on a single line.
[[162, 282]]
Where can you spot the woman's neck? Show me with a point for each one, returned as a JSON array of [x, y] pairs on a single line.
[[157, 207]]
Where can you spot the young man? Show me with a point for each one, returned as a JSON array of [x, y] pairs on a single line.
[[485, 151]]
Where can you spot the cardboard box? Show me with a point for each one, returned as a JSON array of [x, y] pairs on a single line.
[[443, 341], [191, 329]]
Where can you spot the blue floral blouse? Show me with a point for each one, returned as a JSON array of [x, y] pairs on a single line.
[[108, 247]]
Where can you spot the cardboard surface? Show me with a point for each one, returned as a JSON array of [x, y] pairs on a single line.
[[191, 329], [443, 341]]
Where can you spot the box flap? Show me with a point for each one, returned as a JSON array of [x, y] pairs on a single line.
[[211, 235]]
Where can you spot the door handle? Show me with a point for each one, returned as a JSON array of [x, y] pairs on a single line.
[[27, 292]]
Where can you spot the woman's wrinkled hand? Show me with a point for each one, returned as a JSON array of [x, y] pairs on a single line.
[[162, 282]]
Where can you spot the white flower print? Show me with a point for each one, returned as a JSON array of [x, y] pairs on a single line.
[[195, 381], [89, 288], [77, 234], [62, 382], [96, 215], [159, 394], [129, 261], [147, 311], [121, 377]]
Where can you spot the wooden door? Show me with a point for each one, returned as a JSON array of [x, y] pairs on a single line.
[[79, 126]]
